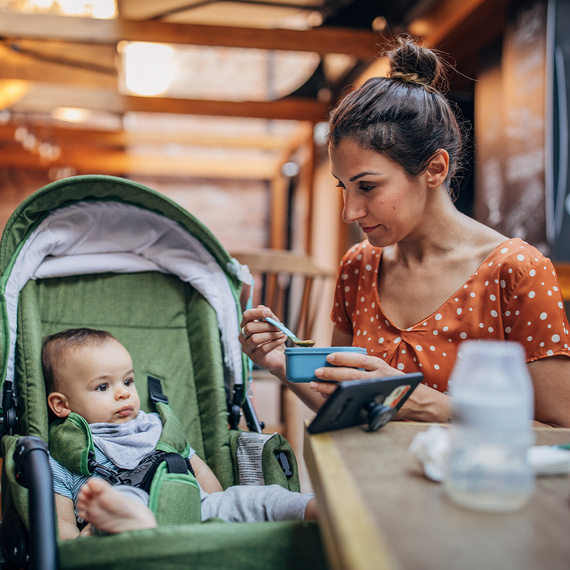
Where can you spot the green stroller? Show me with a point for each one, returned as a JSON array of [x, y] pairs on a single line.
[[108, 253]]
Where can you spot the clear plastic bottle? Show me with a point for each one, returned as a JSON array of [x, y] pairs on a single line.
[[491, 431]]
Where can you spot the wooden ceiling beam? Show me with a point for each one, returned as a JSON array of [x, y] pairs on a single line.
[[27, 67], [44, 97], [11, 90], [462, 27], [118, 163], [362, 44], [121, 138]]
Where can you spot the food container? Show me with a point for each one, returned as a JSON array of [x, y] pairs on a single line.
[[301, 362]]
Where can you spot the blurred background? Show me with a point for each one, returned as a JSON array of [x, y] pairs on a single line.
[[222, 106]]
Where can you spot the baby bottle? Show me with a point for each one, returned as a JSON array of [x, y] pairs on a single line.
[[491, 430]]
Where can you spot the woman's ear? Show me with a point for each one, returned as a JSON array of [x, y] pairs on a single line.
[[58, 404], [438, 168]]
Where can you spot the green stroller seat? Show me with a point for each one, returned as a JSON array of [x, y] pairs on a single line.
[[107, 253]]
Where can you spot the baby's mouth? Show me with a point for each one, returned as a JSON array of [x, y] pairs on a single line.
[[126, 411]]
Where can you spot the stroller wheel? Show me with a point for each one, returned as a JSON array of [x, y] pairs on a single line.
[[13, 548]]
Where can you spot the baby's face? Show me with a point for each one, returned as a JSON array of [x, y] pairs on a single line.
[[99, 384]]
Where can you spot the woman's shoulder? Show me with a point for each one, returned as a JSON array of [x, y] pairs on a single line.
[[361, 252], [516, 252], [514, 263]]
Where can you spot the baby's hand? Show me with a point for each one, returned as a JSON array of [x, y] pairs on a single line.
[[86, 531]]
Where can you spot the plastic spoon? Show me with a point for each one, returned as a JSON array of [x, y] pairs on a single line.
[[284, 329]]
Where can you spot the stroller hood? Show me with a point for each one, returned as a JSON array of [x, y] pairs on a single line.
[[101, 224]]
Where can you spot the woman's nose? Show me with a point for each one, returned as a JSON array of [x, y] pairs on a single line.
[[352, 210]]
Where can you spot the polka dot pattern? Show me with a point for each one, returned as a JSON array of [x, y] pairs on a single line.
[[514, 295]]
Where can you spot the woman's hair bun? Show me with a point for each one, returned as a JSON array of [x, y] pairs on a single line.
[[413, 63]]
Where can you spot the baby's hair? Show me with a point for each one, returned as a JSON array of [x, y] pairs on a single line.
[[55, 346], [405, 115]]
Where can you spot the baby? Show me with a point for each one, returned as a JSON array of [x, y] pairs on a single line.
[[90, 372]]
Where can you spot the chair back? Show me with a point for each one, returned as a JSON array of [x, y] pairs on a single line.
[[289, 283]]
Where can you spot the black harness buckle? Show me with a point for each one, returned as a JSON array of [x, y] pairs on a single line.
[[155, 390]]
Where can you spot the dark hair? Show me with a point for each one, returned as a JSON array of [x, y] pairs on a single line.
[[56, 345], [405, 115]]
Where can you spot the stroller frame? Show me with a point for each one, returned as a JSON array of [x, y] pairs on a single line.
[[49, 236]]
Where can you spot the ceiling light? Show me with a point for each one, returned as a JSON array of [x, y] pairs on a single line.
[[104, 9], [290, 169], [41, 5], [85, 8], [420, 28], [321, 133], [148, 69], [71, 114], [379, 24], [72, 7]]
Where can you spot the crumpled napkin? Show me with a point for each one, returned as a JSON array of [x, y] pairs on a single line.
[[431, 448]]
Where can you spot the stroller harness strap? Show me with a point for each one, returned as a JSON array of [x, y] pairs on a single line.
[[71, 441], [141, 476], [165, 474]]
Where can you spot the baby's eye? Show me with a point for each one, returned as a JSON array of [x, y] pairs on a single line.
[[102, 387], [129, 381]]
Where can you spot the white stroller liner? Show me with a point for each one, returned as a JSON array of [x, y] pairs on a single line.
[[102, 237]]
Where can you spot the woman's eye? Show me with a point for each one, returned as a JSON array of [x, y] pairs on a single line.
[[102, 387], [366, 187]]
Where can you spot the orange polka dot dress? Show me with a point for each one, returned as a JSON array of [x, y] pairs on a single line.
[[514, 295]]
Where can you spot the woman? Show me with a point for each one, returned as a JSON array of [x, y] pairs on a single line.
[[427, 276]]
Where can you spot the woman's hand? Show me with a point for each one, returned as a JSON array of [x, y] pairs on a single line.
[[262, 342], [423, 405], [350, 366], [265, 345]]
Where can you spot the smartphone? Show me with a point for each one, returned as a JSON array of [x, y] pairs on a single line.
[[373, 402]]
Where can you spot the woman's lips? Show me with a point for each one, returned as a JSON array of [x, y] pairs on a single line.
[[368, 229]]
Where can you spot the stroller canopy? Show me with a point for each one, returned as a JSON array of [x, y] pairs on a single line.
[[102, 224]]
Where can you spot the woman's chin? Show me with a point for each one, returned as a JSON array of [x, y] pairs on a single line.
[[378, 241]]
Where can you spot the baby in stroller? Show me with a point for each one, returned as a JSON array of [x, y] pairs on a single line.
[[89, 372]]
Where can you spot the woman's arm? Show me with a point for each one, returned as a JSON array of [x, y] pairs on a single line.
[[66, 521], [550, 377], [551, 382]]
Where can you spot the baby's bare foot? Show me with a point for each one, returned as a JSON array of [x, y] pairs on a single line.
[[110, 511]]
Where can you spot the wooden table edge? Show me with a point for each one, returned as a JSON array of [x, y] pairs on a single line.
[[352, 539]]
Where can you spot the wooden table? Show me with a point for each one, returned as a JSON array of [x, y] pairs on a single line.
[[378, 511]]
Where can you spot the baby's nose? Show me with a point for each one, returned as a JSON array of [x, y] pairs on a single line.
[[122, 392]]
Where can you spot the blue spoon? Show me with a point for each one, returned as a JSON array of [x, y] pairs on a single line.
[[284, 329]]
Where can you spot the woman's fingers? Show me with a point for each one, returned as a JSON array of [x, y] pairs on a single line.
[[346, 366], [252, 323], [324, 388]]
